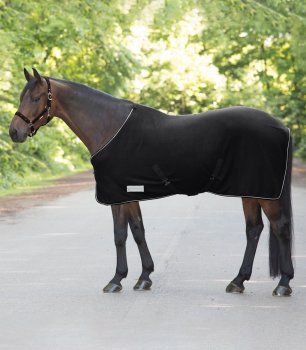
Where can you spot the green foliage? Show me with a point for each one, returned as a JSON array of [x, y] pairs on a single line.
[[259, 47], [181, 56], [77, 40]]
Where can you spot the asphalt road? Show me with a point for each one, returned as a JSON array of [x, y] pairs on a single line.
[[56, 258]]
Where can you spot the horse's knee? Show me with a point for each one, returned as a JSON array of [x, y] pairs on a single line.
[[253, 231], [120, 237], [138, 231], [138, 234]]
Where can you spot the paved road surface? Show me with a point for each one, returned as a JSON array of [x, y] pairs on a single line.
[[55, 259]]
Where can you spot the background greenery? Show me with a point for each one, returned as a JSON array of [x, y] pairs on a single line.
[[181, 56]]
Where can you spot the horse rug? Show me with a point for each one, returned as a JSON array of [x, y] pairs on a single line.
[[236, 151]]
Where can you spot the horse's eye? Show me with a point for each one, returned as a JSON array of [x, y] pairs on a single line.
[[35, 99]]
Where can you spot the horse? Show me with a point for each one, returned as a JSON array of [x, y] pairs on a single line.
[[98, 118]]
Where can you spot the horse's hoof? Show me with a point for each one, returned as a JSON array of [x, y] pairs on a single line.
[[143, 285], [234, 288], [282, 291], [112, 288]]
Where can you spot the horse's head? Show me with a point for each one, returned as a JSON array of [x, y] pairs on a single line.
[[34, 108]]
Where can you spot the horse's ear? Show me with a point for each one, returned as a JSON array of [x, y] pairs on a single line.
[[37, 75], [27, 75]]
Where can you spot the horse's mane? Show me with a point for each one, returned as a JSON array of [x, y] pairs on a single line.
[[84, 88]]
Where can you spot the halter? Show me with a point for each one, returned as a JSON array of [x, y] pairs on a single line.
[[31, 124]]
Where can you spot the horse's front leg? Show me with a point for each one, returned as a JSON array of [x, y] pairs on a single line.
[[138, 231], [120, 215]]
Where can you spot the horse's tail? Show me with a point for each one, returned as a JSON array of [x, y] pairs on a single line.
[[286, 208]]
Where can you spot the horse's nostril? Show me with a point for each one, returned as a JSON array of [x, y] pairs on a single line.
[[13, 134]]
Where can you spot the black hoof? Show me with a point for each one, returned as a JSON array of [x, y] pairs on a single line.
[[112, 288], [143, 285], [282, 291], [234, 288]]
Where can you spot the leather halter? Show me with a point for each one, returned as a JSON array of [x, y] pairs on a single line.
[[31, 124]]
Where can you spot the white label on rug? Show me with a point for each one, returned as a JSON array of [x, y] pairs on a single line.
[[139, 188]]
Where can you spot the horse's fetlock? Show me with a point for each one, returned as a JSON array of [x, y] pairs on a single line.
[[122, 273], [149, 268]]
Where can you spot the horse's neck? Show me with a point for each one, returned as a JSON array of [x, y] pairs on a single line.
[[94, 117]]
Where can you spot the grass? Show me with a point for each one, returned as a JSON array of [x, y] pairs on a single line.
[[38, 181]]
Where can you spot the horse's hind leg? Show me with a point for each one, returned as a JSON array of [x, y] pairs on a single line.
[[137, 228], [254, 227], [120, 215], [280, 219]]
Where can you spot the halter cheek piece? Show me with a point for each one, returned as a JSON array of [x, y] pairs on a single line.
[[31, 124]]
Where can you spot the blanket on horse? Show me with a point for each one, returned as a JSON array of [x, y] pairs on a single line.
[[236, 151]]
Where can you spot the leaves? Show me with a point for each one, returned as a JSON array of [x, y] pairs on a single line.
[[78, 40]]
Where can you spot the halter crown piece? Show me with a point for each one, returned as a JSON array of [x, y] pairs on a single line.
[[31, 124]]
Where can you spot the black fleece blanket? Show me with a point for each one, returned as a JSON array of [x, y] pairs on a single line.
[[235, 151]]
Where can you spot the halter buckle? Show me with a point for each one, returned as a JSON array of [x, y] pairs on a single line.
[[49, 96]]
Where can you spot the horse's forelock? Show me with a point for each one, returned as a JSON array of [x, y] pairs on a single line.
[[29, 85]]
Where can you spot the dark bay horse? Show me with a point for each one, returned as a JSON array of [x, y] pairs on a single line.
[[96, 118]]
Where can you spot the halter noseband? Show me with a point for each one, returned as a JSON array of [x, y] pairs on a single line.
[[32, 123]]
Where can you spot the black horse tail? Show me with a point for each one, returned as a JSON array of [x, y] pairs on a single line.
[[286, 208]]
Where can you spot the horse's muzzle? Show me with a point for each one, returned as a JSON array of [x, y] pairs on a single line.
[[16, 136]]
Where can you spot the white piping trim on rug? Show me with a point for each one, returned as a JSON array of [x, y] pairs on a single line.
[[115, 133], [136, 200]]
